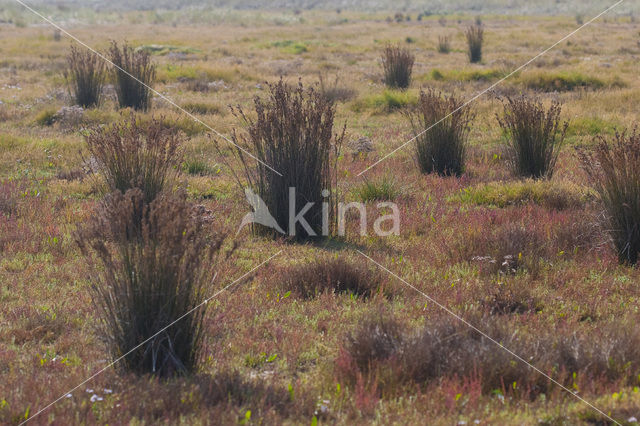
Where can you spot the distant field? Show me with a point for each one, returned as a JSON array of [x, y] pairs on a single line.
[[523, 260]]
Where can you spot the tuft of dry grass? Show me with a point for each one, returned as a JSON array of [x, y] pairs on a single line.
[[133, 92], [85, 75], [534, 136], [397, 63], [133, 154], [152, 267], [442, 148], [475, 38], [614, 170], [293, 134]]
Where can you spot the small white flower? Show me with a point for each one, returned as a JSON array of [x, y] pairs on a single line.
[[89, 390], [95, 398], [632, 420], [107, 390], [68, 395]]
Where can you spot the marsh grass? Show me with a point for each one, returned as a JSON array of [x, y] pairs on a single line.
[[136, 154], [534, 136], [475, 38], [151, 266], [397, 63], [442, 148], [444, 44], [292, 133], [132, 92], [85, 75], [614, 170]]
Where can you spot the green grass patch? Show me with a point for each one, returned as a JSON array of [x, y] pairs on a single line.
[[198, 167], [555, 195], [468, 75], [46, 117], [383, 189], [387, 101], [290, 46], [590, 126], [202, 108], [566, 81], [172, 73], [164, 49]]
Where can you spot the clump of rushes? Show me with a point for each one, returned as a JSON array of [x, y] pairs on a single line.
[[534, 136], [147, 277], [440, 149], [84, 74], [444, 45], [397, 63], [293, 134], [614, 170], [132, 154], [132, 92], [475, 37]]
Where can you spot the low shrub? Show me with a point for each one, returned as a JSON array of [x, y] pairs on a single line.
[[534, 136], [442, 148], [293, 134], [134, 154], [134, 74], [397, 64], [85, 75], [328, 276], [389, 355], [614, 170], [152, 266], [475, 38], [522, 239]]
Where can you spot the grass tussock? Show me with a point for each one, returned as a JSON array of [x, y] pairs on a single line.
[[614, 171], [85, 75], [152, 265], [389, 356], [293, 133], [134, 154], [553, 195], [329, 276], [442, 148], [397, 64], [534, 136], [444, 44], [134, 75], [475, 38]]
